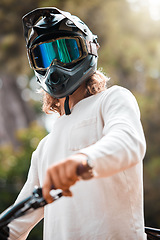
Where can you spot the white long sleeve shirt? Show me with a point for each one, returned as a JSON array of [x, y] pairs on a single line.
[[107, 128]]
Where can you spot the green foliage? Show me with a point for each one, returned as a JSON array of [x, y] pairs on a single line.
[[12, 58], [14, 165], [129, 54], [29, 139], [150, 105], [152, 195]]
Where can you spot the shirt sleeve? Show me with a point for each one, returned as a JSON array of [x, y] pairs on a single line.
[[20, 227], [123, 143]]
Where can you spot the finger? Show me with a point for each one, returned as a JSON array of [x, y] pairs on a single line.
[[67, 193], [70, 172], [66, 181], [47, 187], [56, 178], [62, 177], [59, 177]]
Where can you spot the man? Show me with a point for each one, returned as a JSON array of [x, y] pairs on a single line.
[[98, 128]]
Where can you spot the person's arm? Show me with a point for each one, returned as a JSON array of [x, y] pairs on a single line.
[[121, 146], [20, 227], [123, 143]]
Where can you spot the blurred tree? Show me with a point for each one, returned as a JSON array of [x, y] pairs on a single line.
[[129, 54], [14, 166], [15, 113], [150, 105], [12, 58]]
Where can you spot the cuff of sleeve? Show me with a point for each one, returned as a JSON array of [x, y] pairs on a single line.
[[90, 162]]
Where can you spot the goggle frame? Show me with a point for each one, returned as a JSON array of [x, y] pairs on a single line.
[[81, 43]]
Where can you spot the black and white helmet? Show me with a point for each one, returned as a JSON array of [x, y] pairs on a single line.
[[61, 49]]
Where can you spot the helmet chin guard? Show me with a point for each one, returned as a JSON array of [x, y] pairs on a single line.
[[60, 82], [61, 49]]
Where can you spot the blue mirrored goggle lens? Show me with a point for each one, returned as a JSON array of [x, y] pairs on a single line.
[[64, 50]]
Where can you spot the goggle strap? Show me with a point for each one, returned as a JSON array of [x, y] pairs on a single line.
[[92, 48], [66, 106]]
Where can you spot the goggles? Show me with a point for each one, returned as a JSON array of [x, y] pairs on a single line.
[[65, 50]]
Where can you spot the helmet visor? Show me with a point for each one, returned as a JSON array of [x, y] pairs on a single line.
[[64, 50]]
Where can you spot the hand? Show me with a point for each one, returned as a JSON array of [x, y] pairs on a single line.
[[62, 176], [4, 233]]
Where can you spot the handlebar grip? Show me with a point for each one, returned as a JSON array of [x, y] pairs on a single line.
[[10, 213], [84, 171]]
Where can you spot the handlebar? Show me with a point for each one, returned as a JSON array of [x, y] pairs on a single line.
[[36, 200], [32, 202], [152, 233]]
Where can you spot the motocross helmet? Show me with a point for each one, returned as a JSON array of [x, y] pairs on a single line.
[[61, 50]]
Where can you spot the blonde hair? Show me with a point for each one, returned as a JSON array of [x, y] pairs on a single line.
[[95, 84]]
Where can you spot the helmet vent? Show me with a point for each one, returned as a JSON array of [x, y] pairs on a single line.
[[49, 18], [54, 78], [69, 23]]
